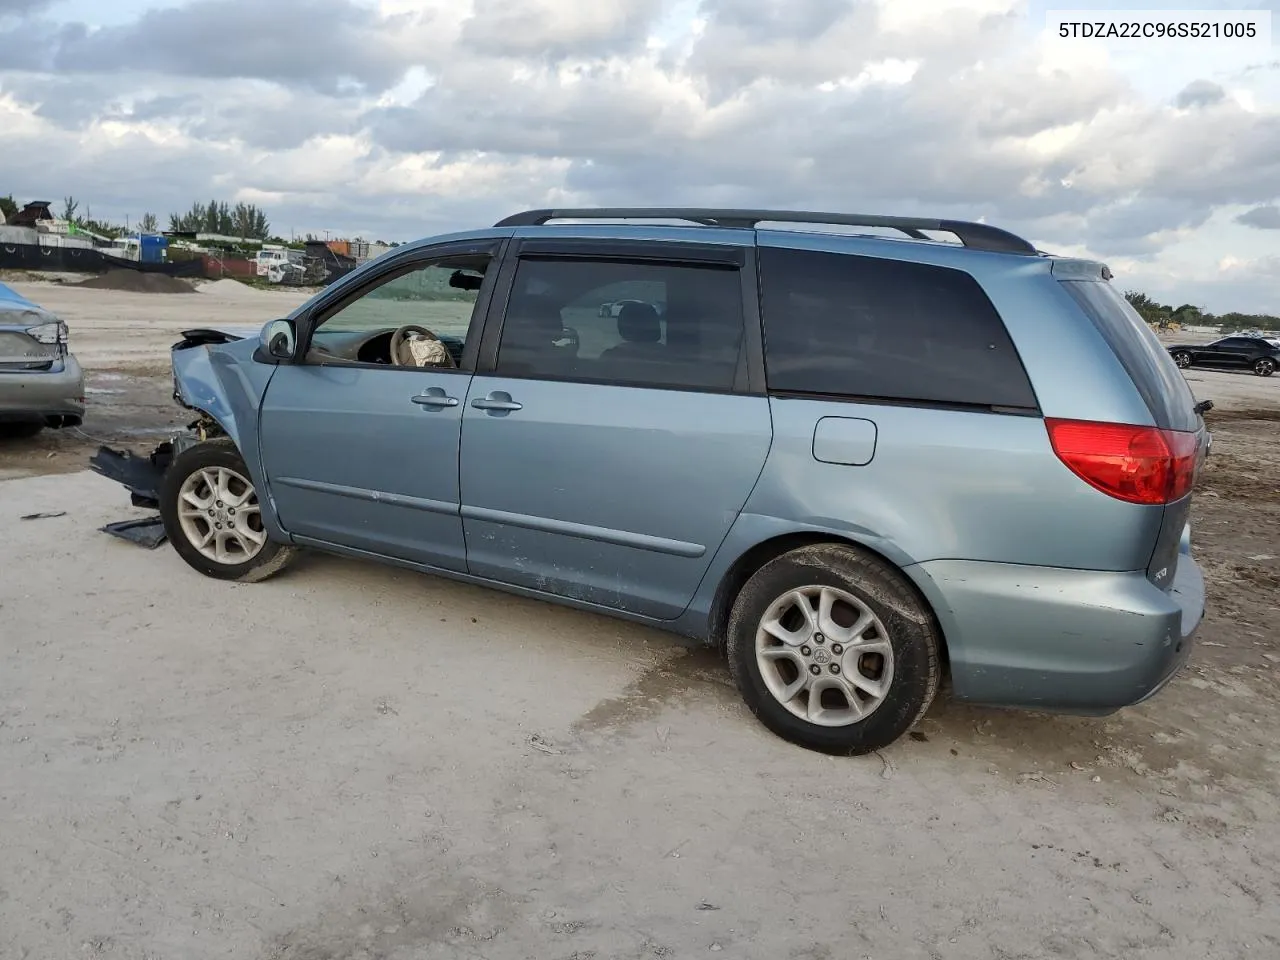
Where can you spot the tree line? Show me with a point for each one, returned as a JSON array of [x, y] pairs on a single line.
[[244, 220], [1161, 315]]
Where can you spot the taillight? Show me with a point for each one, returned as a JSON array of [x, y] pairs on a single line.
[[1135, 464]]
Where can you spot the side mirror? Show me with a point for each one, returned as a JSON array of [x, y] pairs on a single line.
[[278, 340]]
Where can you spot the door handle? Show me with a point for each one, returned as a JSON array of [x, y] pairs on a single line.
[[498, 400], [435, 397]]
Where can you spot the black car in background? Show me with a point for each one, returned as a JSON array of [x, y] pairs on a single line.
[[1253, 353]]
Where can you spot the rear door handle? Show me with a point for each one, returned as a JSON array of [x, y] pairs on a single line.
[[435, 397], [498, 400]]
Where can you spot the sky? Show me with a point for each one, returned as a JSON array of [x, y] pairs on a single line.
[[399, 119]]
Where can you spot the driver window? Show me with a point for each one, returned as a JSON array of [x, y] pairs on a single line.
[[419, 316]]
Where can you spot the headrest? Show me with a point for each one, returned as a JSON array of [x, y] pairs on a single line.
[[539, 313], [639, 323]]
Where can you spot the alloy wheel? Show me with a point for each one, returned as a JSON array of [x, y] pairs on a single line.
[[220, 516], [824, 655]]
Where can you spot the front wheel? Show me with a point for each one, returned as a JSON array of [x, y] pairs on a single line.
[[832, 649], [1182, 359], [1264, 367], [213, 517]]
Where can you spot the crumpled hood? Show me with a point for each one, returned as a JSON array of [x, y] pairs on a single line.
[[222, 379], [239, 331]]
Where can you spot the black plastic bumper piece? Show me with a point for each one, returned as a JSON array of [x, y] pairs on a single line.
[[147, 532], [141, 476]]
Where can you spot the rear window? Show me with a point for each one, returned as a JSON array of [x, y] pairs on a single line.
[[1153, 372], [843, 325]]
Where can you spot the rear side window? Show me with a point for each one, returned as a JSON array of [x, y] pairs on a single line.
[[841, 325], [625, 322], [1153, 372]]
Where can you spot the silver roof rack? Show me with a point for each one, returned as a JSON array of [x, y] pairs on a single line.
[[977, 236]]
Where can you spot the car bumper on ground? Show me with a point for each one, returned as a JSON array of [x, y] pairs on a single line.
[[54, 396], [1073, 641]]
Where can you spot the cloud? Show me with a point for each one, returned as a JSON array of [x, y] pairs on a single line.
[[322, 44], [1200, 93], [22, 8], [70, 102], [1260, 68], [807, 42], [1263, 218], [555, 29], [1241, 286], [1140, 225], [250, 112]]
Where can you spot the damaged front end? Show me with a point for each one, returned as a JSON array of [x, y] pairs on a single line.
[[142, 475], [195, 387]]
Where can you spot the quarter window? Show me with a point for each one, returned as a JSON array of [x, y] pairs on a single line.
[[843, 325], [646, 324]]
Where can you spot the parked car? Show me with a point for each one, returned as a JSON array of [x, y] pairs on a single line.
[[853, 463], [41, 384], [1258, 354]]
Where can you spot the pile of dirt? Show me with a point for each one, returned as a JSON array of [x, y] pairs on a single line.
[[134, 281], [227, 289]]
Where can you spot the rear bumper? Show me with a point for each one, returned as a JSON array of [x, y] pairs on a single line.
[[1070, 641], [54, 396]]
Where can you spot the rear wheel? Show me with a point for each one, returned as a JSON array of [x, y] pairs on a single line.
[[832, 649], [20, 431], [1264, 367], [1182, 359], [213, 517]]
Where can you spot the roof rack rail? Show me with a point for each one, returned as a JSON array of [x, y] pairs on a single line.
[[978, 236]]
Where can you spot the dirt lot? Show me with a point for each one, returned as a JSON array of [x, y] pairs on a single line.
[[356, 762]]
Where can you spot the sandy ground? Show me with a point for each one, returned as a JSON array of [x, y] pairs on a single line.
[[350, 761]]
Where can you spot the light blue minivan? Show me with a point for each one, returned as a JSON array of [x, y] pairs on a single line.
[[856, 462]]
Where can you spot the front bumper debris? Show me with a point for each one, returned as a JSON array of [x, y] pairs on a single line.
[[147, 532], [140, 475]]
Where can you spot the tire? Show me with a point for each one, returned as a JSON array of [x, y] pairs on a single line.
[[1264, 367], [899, 634], [1182, 359], [20, 431], [189, 492]]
